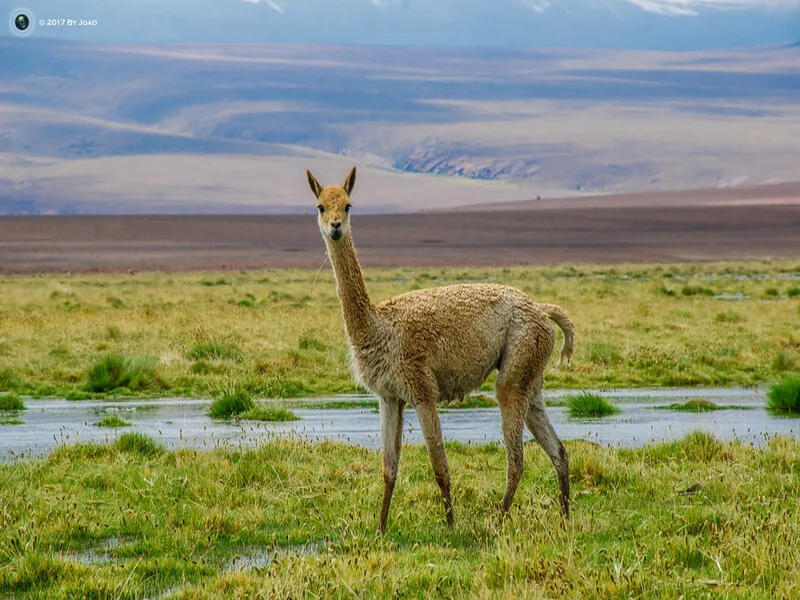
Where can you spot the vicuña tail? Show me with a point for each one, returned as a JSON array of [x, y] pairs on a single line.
[[560, 318]]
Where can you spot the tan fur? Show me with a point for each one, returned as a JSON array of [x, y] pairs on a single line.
[[440, 344]]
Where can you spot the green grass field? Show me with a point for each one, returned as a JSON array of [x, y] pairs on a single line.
[[290, 519], [696, 518], [279, 334]]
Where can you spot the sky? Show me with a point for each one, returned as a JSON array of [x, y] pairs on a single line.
[[637, 24]]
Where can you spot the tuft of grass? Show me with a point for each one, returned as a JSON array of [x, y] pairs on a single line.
[[12, 420], [113, 333], [214, 282], [8, 380], [695, 405], [309, 342], [771, 293], [203, 367], [784, 361], [602, 353], [588, 404], [701, 446], [793, 292], [665, 291], [111, 421], [699, 405], [231, 401], [785, 396], [11, 402], [339, 404], [477, 401], [115, 371], [60, 351], [729, 316], [260, 412], [215, 350], [139, 444], [697, 290], [115, 302], [78, 395], [279, 387]]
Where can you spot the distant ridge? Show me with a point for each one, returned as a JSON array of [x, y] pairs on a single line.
[[776, 194]]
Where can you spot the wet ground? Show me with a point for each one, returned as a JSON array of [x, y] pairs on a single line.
[[183, 423]]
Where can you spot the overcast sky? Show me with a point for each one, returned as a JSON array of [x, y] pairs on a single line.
[[652, 24]]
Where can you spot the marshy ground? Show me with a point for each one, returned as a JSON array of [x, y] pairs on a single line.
[[698, 518], [138, 516]]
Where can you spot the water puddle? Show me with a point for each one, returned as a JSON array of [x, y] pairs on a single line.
[[262, 558], [179, 423], [99, 553]]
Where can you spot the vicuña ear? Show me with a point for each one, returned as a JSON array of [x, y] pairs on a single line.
[[314, 184], [350, 181]]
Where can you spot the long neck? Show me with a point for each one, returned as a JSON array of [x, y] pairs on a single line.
[[357, 310]]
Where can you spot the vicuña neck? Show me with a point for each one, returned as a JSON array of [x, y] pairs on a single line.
[[357, 310]]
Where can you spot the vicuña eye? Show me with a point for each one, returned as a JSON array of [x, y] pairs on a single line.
[[347, 208], [321, 209]]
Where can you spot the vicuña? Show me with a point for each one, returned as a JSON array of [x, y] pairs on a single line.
[[438, 345]]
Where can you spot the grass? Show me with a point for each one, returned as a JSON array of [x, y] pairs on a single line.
[[474, 401], [784, 397], [728, 316], [603, 354], [695, 405], [111, 421], [784, 361], [340, 404], [11, 402], [699, 405], [10, 407], [260, 412], [290, 343], [137, 444], [695, 518], [231, 401], [694, 290], [589, 405], [115, 371], [215, 350]]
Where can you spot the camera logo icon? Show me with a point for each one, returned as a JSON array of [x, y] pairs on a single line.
[[21, 22]]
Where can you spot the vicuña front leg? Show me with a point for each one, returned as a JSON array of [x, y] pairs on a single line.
[[429, 421], [513, 407], [392, 443]]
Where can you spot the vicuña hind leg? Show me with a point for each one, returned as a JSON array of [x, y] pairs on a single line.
[[392, 443], [429, 421], [513, 406], [541, 428]]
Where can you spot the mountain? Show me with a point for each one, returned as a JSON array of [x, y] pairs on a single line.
[[631, 24], [87, 128]]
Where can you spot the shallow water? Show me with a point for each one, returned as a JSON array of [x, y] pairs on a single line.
[[97, 554], [183, 423], [260, 558]]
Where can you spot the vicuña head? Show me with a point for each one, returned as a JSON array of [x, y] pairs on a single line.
[[333, 205], [440, 344]]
